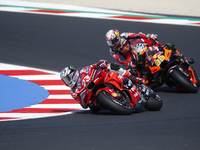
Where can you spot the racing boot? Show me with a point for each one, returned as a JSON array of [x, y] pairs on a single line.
[[190, 60]]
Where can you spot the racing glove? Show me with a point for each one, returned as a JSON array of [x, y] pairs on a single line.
[[130, 64], [115, 66], [170, 46], [101, 64], [152, 36], [136, 80]]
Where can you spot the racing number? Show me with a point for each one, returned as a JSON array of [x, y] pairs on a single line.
[[159, 60]]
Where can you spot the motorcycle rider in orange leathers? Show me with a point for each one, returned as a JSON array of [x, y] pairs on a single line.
[[120, 48]]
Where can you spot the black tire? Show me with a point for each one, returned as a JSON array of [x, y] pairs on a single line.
[[94, 109], [154, 102], [117, 106], [183, 81]]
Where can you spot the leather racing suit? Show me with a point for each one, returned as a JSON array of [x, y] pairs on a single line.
[[75, 91], [122, 53]]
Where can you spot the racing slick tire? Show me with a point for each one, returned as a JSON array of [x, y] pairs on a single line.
[[183, 81], [121, 107], [154, 102]]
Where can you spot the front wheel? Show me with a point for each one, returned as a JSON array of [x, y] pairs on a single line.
[[154, 102], [183, 81], [120, 106]]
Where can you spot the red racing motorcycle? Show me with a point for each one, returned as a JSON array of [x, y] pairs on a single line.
[[106, 91]]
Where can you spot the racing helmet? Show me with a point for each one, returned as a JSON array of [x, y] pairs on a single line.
[[139, 52], [69, 75], [113, 38]]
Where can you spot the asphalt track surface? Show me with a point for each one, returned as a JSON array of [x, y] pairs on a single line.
[[53, 42]]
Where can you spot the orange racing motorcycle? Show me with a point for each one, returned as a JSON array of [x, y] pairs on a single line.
[[163, 65]]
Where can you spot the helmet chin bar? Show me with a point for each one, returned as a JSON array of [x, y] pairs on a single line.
[[69, 76]]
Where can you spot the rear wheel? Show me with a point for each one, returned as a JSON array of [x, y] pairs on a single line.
[[119, 106], [183, 81]]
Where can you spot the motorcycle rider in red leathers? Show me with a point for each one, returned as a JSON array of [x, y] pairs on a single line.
[[120, 48], [73, 78]]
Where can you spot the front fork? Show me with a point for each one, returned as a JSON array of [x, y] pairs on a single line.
[[192, 75]]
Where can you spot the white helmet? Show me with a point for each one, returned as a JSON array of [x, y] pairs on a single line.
[[113, 38], [139, 52], [69, 76]]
